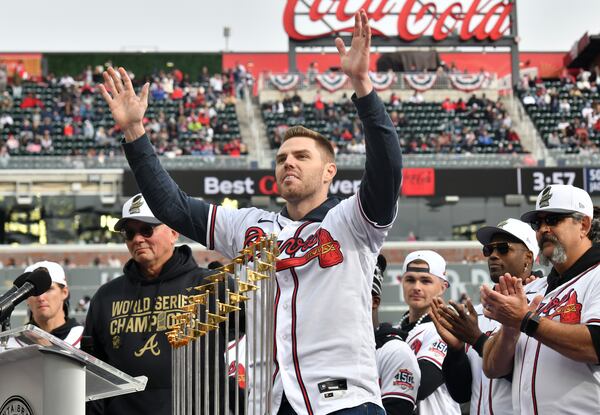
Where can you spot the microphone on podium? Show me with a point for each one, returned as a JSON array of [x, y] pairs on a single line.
[[32, 283]]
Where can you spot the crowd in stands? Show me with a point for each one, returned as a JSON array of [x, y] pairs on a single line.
[[566, 111], [66, 116], [478, 125]]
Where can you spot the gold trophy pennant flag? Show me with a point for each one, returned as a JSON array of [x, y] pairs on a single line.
[[206, 327], [235, 298], [238, 260], [270, 257], [211, 288], [199, 299], [229, 268], [245, 287], [256, 276], [226, 308], [214, 319], [190, 308], [217, 277], [264, 266]]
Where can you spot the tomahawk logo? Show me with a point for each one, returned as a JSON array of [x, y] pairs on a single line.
[[545, 197], [136, 204]]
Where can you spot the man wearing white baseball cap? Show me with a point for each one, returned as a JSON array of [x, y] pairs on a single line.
[[423, 279], [128, 316], [556, 335], [50, 311], [511, 247]]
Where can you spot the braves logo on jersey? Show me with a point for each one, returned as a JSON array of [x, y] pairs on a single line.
[[566, 306], [319, 245], [416, 346]]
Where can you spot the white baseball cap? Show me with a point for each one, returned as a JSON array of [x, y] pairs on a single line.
[[514, 227], [57, 273], [436, 264], [136, 208], [561, 198]]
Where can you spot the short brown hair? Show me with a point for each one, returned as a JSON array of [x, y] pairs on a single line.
[[322, 142]]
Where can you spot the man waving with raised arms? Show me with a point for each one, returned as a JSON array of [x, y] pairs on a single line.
[[324, 347]]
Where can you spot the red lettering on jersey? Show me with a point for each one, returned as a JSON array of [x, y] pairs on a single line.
[[253, 234], [327, 250], [567, 308]]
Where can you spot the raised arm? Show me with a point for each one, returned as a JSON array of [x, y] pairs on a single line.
[[381, 182], [168, 202]]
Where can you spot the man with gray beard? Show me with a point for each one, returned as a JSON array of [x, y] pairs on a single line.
[[551, 346]]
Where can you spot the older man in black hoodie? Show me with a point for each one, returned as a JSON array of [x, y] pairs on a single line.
[[128, 316]]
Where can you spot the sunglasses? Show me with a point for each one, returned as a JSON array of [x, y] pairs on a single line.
[[501, 247], [146, 230], [550, 220]]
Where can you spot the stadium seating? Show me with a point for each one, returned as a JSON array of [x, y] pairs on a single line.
[[482, 127], [79, 123], [565, 112]]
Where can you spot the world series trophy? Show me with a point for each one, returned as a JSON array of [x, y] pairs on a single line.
[[250, 280]]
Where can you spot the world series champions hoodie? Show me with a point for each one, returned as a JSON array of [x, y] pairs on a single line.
[[127, 321]]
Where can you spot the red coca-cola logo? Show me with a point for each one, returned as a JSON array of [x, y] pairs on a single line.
[[475, 20]]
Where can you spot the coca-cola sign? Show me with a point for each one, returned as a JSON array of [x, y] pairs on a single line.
[[470, 20]]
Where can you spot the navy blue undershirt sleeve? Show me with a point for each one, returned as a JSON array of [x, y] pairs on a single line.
[[431, 379], [456, 370], [398, 406], [595, 333], [380, 186], [168, 202]]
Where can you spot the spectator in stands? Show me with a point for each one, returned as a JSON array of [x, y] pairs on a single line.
[[416, 97], [312, 72], [157, 270], [6, 120], [3, 78], [448, 105], [50, 311], [6, 101]]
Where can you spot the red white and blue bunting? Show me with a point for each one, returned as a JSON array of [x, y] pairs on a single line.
[[332, 81], [420, 81], [285, 82], [382, 81], [467, 82]]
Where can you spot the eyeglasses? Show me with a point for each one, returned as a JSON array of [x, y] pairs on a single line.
[[550, 220], [146, 230], [501, 247]]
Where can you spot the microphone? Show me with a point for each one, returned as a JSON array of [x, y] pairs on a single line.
[[17, 283], [36, 283]]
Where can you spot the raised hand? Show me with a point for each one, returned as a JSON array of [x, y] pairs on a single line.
[[355, 63], [126, 107], [443, 326]]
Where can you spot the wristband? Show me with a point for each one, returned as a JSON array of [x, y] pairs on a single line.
[[478, 345], [530, 323], [525, 320]]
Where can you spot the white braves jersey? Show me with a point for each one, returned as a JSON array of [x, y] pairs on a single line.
[[324, 344], [427, 344], [399, 373], [494, 396], [488, 396], [546, 382]]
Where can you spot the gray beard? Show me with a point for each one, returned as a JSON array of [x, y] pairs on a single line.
[[559, 256]]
